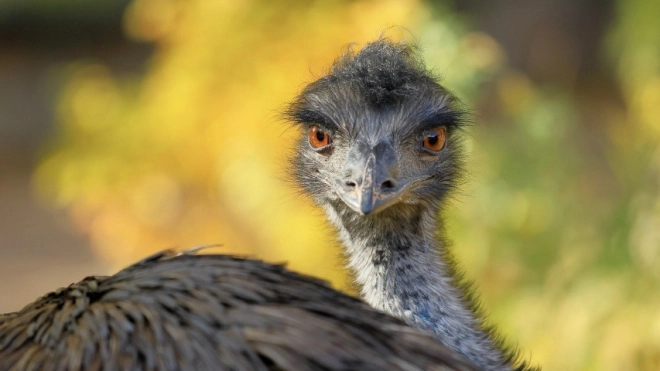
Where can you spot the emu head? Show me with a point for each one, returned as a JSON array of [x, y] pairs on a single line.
[[379, 133]]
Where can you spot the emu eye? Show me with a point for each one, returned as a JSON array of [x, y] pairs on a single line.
[[435, 140], [318, 138]]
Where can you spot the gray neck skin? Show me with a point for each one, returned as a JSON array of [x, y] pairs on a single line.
[[403, 274]]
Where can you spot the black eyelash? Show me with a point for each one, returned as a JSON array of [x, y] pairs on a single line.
[[307, 116], [446, 118]]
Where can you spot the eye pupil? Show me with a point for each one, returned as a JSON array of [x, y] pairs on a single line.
[[433, 139], [320, 135]]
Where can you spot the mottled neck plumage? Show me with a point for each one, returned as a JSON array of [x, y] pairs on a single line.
[[399, 265]]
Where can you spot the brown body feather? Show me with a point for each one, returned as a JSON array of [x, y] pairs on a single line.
[[198, 312]]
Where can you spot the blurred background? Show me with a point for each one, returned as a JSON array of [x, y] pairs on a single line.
[[128, 127]]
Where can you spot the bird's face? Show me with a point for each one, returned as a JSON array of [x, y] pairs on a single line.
[[373, 157], [378, 133]]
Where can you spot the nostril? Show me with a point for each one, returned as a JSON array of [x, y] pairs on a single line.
[[388, 185], [350, 184]]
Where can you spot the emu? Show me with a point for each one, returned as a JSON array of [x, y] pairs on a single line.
[[380, 151]]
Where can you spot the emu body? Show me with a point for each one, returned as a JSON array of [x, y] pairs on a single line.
[[211, 312]]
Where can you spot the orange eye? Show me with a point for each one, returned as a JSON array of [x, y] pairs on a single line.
[[318, 138], [435, 140]]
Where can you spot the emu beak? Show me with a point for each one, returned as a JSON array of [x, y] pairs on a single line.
[[371, 184]]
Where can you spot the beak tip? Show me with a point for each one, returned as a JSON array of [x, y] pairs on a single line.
[[366, 210], [367, 205]]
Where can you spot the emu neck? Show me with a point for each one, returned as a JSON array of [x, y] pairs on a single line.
[[398, 263]]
